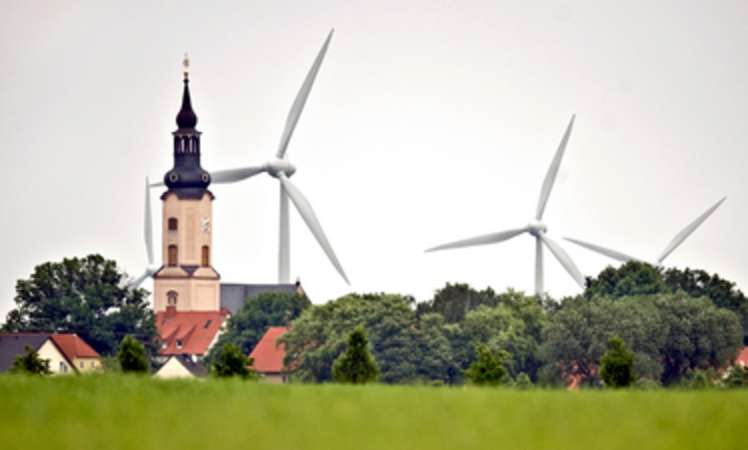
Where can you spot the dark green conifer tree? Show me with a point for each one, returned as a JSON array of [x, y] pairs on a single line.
[[617, 365], [356, 365], [488, 369], [132, 356]]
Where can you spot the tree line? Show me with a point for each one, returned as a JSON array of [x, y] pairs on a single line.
[[679, 325]]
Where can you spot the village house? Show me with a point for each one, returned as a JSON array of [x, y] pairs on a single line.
[[66, 352], [181, 366], [268, 356]]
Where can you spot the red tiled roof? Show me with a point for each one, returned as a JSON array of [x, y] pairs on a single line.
[[268, 357], [70, 346], [743, 357], [195, 329], [73, 347]]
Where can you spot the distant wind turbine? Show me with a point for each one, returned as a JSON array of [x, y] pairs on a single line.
[[536, 228], [150, 268], [674, 243]]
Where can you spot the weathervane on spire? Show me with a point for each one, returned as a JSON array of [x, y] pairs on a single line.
[[186, 66]]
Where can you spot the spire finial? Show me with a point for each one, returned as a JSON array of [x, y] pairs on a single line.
[[186, 67]]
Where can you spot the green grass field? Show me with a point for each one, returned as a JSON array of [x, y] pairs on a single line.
[[140, 413]]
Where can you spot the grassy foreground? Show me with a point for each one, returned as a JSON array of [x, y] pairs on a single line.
[[140, 413]]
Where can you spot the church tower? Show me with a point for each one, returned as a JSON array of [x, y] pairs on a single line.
[[186, 281]]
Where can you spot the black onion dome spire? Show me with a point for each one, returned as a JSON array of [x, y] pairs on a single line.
[[187, 179], [186, 117]]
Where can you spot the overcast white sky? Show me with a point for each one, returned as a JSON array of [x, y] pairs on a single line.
[[430, 121]]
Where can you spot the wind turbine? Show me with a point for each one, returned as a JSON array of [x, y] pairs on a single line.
[[674, 243], [150, 269], [282, 169], [536, 228]]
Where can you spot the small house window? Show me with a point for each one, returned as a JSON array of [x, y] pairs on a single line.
[[63, 367], [173, 260], [173, 224], [82, 364], [206, 256], [171, 298], [180, 344]]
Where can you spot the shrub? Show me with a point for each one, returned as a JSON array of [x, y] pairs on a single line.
[[30, 363], [132, 356], [488, 369], [617, 365], [737, 377], [231, 362], [356, 365], [523, 381], [701, 379]]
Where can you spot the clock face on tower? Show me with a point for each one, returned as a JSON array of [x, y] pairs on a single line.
[[205, 224]]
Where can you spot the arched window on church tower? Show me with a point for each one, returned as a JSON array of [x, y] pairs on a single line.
[[173, 224], [173, 256], [171, 298]]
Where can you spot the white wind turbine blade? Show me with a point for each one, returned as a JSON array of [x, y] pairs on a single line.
[[485, 239], [148, 228], [563, 258], [307, 213], [603, 251], [680, 237], [301, 97], [234, 175], [550, 176], [156, 184]]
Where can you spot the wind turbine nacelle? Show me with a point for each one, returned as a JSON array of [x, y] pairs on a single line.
[[278, 166], [536, 227]]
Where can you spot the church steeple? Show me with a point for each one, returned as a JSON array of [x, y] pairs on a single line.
[[187, 179]]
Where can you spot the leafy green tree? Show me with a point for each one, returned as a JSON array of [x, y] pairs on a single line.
[[432, 347], [637, 278], [632, 278], [699, 336], [249, 324], [617, 365], [411, 347], [488, 368], [132, 356], [723, 293], [515, 326], [320, 334], [30, 363], [86, 296], [356, 365], [670, 335], [454, 301], [231, 362]]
